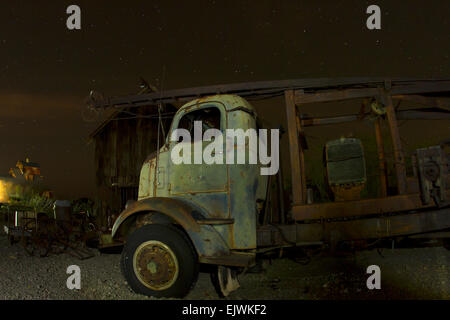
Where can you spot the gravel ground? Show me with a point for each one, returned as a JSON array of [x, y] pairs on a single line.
[[420, 273]]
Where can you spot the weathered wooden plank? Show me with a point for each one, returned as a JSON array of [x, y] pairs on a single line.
[[400, 167], [112, 155], [255, 89], [345, 94], [328, 120], [98, 160], [437, 102], [358, 208], [302, 159], [334, 95], [416, 114], [422, 115], [294, 151], [139, 141], [381, 158]]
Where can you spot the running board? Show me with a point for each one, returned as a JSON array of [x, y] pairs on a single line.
[[215, 221], [235, 259]]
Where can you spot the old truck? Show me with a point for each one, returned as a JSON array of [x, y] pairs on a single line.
[[219, 214]]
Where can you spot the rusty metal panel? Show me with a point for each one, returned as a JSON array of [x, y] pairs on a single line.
[[206, 239], [244, 182], [195, 178], [208, 242], [180, 211], [432, 172]]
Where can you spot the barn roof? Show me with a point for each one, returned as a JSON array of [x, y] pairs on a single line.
[[103, 124], [114, 115]]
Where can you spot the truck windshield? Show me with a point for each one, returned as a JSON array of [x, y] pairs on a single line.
[[210, 118]]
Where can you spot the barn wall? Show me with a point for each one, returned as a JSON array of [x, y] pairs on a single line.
[[121, 147]]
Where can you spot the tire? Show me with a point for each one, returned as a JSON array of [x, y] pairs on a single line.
[[224, 280], [160, 261]]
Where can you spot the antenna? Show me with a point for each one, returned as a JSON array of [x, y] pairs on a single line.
[[159, 128]]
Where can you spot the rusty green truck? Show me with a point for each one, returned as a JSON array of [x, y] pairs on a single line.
[[192, 213]]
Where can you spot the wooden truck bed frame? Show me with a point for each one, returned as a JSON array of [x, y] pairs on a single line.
[[405, 213]]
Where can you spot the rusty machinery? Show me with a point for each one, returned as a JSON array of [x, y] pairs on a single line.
[[27, 204], [41, 235]]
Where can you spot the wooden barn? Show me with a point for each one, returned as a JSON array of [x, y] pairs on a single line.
[[122, 143]]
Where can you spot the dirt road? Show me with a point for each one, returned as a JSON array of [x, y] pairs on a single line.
[[421, 273]]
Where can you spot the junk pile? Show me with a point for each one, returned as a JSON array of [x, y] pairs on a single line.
[[42, 225], [42, 235]]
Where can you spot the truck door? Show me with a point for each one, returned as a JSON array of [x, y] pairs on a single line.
[[205, 184]]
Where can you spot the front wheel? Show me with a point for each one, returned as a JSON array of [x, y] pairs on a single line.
[[159, 261]]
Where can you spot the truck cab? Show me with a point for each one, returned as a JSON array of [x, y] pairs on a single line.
[[208, 209]]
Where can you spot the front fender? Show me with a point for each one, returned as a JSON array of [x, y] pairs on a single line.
[[179, 210], [206, 240]]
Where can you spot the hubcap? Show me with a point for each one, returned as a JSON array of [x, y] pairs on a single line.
[[155, 265]]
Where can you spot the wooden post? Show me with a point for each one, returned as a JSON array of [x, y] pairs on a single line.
[[113, 157], [294, 148], [302, 160], [400, 167], [381, 158]]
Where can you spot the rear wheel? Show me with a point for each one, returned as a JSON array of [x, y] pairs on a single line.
[[159, 260]]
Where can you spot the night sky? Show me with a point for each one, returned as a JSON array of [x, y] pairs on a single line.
[[46, 71]]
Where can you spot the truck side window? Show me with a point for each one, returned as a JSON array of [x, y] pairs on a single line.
[[210, 118]]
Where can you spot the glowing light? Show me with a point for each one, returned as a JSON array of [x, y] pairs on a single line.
[[4, 185]]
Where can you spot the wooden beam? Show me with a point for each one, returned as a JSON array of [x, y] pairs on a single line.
[[400, 167], [335, 95], [381, 158], [271, 88], [294, 151], [302, 160], [437, 102], [308, 122], [327, 95], [422, 115], [356, 208], [413, 114], [113, 152], [368, 228]]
